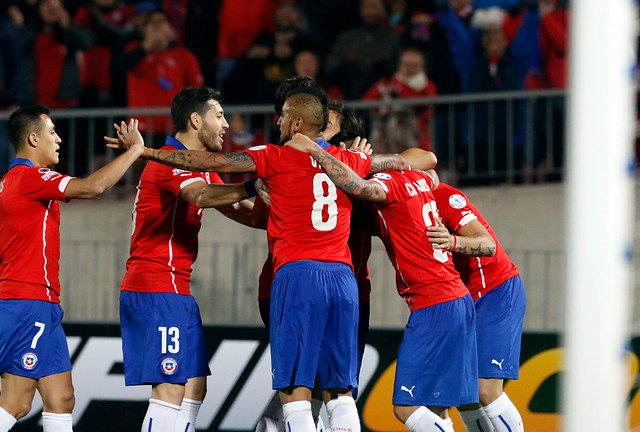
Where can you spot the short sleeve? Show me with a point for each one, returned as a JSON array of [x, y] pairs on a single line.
[[357, 161], [265, 158], [45, 184], [174, 179], [455, 211], [390, 184]]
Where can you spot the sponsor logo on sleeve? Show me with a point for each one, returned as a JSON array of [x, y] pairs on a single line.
[[178, 171], [457, 201], [260, 147]]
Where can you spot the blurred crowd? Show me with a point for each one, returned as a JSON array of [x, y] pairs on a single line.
[[128, 53]]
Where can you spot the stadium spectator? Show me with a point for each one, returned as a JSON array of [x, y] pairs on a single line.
[[499, 300], [157, 70], [53, 42], [12, 56], [112, 24], [364, 54], [270, 59], [240, 22], [34, 353], [395, 129], [554, 20], [307, 63]]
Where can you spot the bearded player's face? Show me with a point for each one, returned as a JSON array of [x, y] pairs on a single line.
[[214, 127]]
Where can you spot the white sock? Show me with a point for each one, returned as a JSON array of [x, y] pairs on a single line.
[[186, 420], [6, 420], [56, 422], [425, 420], [161, 416], [343, 414], [297, 417], [476, 420], [449, 425], [504, 415], [320, 426], [316, 406], [271, 420]]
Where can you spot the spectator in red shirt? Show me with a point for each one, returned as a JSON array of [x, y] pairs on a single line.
[[397, 129], [112, 24], [554, 42], [157, 70], [54, 41]]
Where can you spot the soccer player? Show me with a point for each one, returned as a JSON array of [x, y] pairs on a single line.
[[162, 338], [308, 230], [437, 364], [499, 299], [34, 352]]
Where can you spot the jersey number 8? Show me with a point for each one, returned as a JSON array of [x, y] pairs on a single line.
[[322, 200]]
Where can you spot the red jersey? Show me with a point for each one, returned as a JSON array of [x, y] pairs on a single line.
[[479, 274], [30, 232], [424, 276], [157, 78], [49, 58], [309, 217], [164, 243]]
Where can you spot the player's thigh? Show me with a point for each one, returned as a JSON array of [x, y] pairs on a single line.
[[500, 315], [437, 363], [196, 388], [17, 394], [168, 392], [33, 341], [162, 338], [57, 393]]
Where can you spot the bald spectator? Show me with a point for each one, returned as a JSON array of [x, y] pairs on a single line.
[[365, 54]]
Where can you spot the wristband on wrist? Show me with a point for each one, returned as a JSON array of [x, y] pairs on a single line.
[[250, 188], [455, 242]]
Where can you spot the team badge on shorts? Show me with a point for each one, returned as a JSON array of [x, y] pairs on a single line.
[[169, 366], [29, 361], [457, 201]]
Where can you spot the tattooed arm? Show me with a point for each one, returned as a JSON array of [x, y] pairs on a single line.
[[420, 159], [202, 160], [344, 177], [472, 239]]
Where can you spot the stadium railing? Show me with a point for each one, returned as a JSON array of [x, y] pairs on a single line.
[[483, 138]]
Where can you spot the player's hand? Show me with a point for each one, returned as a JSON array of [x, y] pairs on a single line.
[[263, 191], [301, 143], [359, 144], [440, 237], [128, 136]]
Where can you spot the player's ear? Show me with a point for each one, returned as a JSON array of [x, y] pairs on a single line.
[[32, 140], [196, 120], [297, 125]]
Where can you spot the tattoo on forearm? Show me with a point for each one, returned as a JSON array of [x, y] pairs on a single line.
[[381, 163], [343, 177], [480, 251], [203, 160]]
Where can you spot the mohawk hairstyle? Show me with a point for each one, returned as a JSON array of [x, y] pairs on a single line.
[[300, 84]]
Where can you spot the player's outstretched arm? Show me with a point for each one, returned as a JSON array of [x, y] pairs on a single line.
[[344, 177], [104, 178], [472, 239], [191, 160], [420, 159]]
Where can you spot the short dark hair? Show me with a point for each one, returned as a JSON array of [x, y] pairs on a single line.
[[190, 100], [23, 121], [350, 124], [300, 84]]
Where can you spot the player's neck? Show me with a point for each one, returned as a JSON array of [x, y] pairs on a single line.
[[190, 140], [31, 156]]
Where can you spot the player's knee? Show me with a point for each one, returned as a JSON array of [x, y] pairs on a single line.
[[19, 409], [62, 403], [402, 412], [488, 394]]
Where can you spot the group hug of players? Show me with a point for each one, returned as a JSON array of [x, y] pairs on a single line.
[[320, 204]]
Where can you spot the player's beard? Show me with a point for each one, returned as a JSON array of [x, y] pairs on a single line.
[[211, 139]]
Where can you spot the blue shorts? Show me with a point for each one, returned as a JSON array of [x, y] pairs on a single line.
[[162, 338], [437, 360], [32, 341], [499, 316], [314, 325]]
